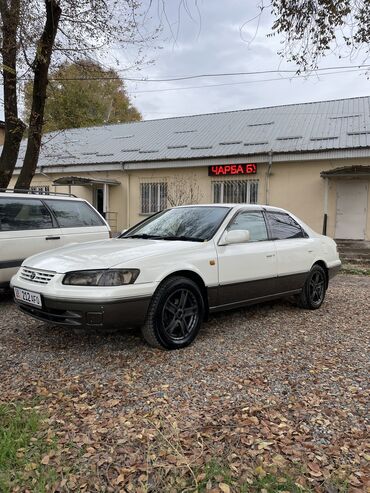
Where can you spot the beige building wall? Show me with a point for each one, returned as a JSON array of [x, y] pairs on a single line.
[[296, 186], [183, 183], [2, 134]]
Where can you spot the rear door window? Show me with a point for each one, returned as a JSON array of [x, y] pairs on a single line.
[[283, 226], [74, 214], [18, 214]]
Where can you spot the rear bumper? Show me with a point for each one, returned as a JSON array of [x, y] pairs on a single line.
[[333, 271], [109, 315]]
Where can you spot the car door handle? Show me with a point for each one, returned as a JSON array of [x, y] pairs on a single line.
[[52, 238], [269, 256]]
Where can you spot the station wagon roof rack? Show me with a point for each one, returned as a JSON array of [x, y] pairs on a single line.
[[37, 192]]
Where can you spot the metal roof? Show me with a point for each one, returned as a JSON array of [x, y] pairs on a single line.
[[297, 128]]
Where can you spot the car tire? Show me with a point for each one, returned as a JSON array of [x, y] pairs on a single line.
[[314, 289], [174, 315]]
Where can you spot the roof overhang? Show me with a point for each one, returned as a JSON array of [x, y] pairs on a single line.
[[347, 172], [81, 181]]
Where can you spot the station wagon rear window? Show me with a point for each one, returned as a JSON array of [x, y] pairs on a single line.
[[74, 214]]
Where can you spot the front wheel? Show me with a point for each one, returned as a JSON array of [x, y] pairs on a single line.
[[175, 314], [314, 289]]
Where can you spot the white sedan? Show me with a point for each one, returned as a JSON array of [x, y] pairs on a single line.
[[169, 272]]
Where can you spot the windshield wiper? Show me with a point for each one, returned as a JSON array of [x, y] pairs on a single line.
[[183, 238], [144, 236]]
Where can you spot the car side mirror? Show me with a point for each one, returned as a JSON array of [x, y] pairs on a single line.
[[235, 236]]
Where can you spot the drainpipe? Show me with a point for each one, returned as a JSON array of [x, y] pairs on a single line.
[[128, 199], [105, 199], [326, 194], [268, 173]]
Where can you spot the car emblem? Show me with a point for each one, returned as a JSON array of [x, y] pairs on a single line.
[[32, 276]]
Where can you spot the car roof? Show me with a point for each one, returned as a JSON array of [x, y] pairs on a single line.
[[253, 207], [38, 196]]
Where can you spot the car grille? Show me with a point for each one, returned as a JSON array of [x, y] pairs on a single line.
[[37, 276], [52, 315]]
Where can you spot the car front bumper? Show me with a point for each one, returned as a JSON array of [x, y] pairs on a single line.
[[129, 312]]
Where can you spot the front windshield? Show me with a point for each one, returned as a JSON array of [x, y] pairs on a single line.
[[184, 223]]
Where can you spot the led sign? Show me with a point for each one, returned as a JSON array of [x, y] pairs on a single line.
[[232, 169]]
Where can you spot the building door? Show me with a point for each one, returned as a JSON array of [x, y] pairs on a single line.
[[99, 200], [351, 210]]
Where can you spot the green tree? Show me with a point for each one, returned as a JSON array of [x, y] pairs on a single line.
[[38, 35], [83, 94]]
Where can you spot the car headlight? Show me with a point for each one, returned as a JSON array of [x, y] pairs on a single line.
[[109, 277]]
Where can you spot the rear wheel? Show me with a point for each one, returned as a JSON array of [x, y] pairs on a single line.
[[313, 293], [175, 314]]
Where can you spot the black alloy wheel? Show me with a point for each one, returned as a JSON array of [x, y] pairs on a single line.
[[175, 314], [314, 290], [180, 314], [317, 288]]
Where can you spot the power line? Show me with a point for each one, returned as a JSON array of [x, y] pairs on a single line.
[[198, 76], [228, 74], [242, 82]]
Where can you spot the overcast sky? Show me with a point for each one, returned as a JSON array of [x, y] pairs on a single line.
[[211, 41]]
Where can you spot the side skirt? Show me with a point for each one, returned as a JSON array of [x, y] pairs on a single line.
[[252, 301], [235, 295]]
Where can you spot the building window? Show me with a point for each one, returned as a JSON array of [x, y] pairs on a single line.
[[153, 197], [235, 192], [42, 189]]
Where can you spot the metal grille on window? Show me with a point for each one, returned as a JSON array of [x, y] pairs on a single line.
[[42, 189], [153, 197], [235, 191]]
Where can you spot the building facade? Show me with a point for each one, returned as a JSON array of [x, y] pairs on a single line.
[[312, 159]]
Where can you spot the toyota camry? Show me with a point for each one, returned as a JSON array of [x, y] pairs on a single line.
[[169, 272]]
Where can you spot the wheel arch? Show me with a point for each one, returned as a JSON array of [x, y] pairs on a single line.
[[195, 277], [322, 264]]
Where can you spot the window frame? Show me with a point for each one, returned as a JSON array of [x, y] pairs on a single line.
[[247, 211], [158, 184], [268, 212], [40, 189], [224, 182]]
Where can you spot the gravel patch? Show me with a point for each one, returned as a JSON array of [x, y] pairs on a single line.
[[297, 380]]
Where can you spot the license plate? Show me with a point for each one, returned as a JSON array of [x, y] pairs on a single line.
[[28, 297]]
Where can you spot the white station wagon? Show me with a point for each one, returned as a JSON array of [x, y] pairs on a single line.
[[169, 272], [31, 223]]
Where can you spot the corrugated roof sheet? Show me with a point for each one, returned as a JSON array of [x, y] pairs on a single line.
[[323, 125]]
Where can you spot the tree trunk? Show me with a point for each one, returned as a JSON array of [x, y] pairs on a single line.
[[14, 127], [41, 68]]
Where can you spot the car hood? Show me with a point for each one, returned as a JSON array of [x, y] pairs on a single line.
[[104, 254]]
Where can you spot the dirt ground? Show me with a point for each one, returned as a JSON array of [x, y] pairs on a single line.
[[267, 389]]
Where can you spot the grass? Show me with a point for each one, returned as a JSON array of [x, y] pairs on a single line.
[[22, 447], [354, 269]]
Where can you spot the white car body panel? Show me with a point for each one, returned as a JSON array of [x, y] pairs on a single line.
[[231, 274]]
